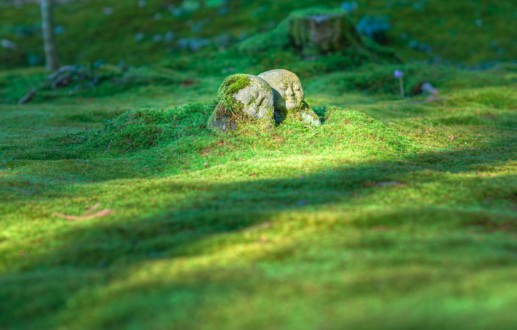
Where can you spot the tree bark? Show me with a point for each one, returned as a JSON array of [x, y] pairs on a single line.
[[47, 25]]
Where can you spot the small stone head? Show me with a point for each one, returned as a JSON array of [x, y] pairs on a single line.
[[249, 94], [287, 88], [243, 99]]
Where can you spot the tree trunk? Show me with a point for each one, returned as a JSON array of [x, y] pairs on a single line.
[[47, 25]]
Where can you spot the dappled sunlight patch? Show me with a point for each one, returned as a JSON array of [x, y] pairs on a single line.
[[363, 131]]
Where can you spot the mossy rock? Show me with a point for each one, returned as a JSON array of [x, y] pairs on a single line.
[[243, 100]]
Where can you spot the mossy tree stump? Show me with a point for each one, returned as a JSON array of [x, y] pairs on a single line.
[[324, 33]]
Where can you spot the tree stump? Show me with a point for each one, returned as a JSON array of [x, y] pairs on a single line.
[[320, 34]]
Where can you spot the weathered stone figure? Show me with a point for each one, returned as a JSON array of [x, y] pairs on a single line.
[[289, 97], [243, 99]]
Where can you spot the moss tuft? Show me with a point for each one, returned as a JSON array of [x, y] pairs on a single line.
[[231, 86]]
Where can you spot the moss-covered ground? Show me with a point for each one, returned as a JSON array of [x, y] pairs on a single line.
[[396, 213], [473, 32]]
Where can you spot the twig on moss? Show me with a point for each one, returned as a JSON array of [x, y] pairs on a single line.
[[28, 97], [88, 215]]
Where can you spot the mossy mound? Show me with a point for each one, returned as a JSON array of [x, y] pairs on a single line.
[[365, 133], [143, 129], [315, 31]]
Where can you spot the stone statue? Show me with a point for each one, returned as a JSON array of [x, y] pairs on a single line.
[[289, 97], [243, 99]]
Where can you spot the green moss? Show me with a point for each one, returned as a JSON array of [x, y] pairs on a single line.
[[439, 26], [378, 79], [275, 39], [228, 114], [293, 33], [279, 38], [337, 24], [143, 129], [390, 189], [399, 211], [231, 86]]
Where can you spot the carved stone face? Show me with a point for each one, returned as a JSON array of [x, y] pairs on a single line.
[[257, 98], [287, 87], [243, 99]]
